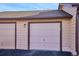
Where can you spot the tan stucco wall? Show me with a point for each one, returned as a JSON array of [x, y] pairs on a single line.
[[68, 34]]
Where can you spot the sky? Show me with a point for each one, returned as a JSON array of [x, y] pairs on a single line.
[[27, 6]]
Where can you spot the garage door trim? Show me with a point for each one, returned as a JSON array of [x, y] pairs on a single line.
[[45, 22], [15, 28]]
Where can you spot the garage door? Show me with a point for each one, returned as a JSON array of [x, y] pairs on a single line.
[[7, 36], [45, 36]]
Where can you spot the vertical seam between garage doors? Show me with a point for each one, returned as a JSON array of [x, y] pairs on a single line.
[[45, 22], [15, 28]]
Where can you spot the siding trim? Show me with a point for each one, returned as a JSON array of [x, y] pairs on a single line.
[[15, 29], [21, 18], [60, 36], [45, 22], [76, 35], [28, 36], [15, 35]]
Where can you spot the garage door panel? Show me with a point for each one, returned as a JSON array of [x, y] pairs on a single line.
[[44, 46], [45, 40], [7, 36], [45, 36]]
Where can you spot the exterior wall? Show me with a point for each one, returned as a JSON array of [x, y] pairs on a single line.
[[22, 35], [68, 43], [72, 11], [66, 35]]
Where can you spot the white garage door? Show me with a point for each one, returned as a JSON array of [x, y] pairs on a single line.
[[45, 36], [7, 36]]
